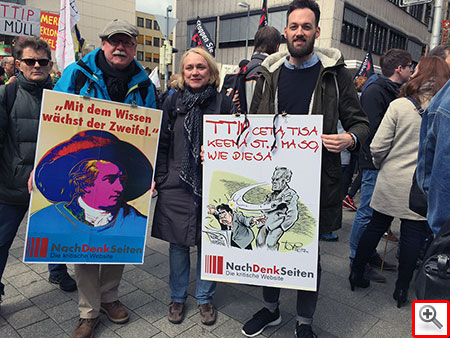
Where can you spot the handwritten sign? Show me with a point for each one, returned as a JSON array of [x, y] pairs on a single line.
[[261, 182], [19, 20], [49, 28], [94, 167]]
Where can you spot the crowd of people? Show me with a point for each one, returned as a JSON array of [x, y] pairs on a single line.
[[376, 128]]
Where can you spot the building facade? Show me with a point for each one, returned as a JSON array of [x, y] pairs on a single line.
[[150, 40], [352, 26]]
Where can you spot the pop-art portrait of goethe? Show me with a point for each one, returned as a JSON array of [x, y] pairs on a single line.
[[89, 179]]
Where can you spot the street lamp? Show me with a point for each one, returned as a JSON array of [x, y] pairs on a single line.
[[246, 5], [166, 71]]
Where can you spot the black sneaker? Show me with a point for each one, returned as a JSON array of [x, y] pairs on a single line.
[[304, 331], [66, 283], [261, 319], [376, 261]]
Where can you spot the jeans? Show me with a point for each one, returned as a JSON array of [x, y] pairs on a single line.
[[10, 218], [306, 300], [180, 266], [412, 234], [364, 212]]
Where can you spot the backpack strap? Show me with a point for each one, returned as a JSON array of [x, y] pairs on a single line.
[[11, 94], [416, 104]]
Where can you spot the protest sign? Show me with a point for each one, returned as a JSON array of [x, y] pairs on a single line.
[[93, 172], [49, 28], [261, 188], [19, 20]]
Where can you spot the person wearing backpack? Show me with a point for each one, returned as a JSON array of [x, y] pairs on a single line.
[[394, 152], [110, 73], [19, 122], [241, 86]]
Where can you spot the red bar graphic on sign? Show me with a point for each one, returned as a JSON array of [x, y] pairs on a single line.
[[214, 264], [220, 265], [44, 246], [36, 247]]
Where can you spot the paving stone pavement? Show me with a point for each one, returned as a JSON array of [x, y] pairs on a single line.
[[32, 307]]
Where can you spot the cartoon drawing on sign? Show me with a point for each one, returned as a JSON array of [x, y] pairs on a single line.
[[282, 210], [239, 225], [89, 179], [257, 216]]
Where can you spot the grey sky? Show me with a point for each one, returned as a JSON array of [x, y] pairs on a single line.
[[154, 6]]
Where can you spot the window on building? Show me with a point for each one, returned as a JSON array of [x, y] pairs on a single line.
[[427, 17], [148, 40], [416, 11], [148, 57], [396, 40], [156, 42], [353, 26], [156, 58], [140, 56], [376, 37], [140, 39], [140, 22], [415, 49], [148, 23], [156, 26]]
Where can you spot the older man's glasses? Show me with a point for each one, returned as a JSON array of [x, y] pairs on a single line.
[[126, 43], [32, 62]]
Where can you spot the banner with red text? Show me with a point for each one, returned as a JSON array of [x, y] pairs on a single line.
[[261, 189], [94, 167], [19, 20], [49, 28]]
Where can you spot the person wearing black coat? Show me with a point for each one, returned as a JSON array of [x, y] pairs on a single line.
[[178, 177]]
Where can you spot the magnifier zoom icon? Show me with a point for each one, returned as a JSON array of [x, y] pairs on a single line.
[[427, 314]]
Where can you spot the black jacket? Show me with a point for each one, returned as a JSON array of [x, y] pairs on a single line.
[[375, 100], [18, 136], [335, 98], [176, 219]]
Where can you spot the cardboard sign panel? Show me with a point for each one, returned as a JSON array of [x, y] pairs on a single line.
[[261, 189]]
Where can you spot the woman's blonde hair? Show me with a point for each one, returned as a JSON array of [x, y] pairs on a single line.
[[212, 65]]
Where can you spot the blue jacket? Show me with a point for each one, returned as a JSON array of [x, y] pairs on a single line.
[[98, 88], [433, 165]]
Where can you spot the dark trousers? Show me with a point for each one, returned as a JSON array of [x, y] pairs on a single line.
[[412, 236], [10, 218], [306, 300], [347, 174]]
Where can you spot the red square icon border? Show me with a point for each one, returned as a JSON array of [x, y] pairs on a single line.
[[417, 303]]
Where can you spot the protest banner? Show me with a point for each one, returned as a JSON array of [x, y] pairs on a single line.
[[19, 20], [49, 28], [260, 208], [93, 172]]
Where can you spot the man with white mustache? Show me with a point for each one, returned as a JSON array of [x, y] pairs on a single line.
[[109, 73]]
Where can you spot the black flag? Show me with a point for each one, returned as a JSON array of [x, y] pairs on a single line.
[[366, 68], [263, 20], [202, 39]]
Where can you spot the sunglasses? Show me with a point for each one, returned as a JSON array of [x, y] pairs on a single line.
[[126, 43], [32, 62]]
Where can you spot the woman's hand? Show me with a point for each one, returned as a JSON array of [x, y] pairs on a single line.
[[30, 182], [202, 153]]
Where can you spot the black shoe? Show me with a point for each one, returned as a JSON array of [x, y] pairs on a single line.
[[304, 331], [261, 319], [371, 274], [376, 261], [66, 283], [357, 279], [401, 296]]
